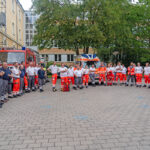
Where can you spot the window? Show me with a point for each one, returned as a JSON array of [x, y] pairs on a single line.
[[13, 6], [57, 57], [46, 57], [19, 15], [70, 57], [11, 57], [19, 34], [13, 29]]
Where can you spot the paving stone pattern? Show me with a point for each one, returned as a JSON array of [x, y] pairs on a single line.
[[97, 118]]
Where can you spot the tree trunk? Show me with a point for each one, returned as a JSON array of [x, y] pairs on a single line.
[[77, 51], [84, 50], [87, 50]]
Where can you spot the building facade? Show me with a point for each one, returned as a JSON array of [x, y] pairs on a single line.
[[30, 31], [60, 55], [11, 24]]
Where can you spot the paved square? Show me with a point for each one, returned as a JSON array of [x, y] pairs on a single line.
[[100, 118]]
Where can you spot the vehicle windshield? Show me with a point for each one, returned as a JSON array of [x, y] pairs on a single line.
[[90, 63], [11, 57]]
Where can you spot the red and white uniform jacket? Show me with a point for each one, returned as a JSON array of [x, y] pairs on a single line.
[[63, 72], [138, 70], [86, 71], [71, 72], [78, 73], [93, 70], [146, 70], [124, 70], [54, 69], [119, 69]]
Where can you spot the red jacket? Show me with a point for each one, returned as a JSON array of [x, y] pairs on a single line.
[[131, 71]]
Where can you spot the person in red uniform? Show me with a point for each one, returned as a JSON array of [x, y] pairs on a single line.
[[110, 75], [16, 79], [139, 75], [86, 76], [71, 76], [131, 74], [54, 70], [119, 73], [64, 76], [102, 74], [147, 75]]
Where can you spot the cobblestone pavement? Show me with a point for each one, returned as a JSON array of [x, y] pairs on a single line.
[[100, 118]]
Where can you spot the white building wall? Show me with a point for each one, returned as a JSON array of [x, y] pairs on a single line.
[[64, 58], [51, 57]]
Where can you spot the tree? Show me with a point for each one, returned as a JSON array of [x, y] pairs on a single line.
[[106, 26]]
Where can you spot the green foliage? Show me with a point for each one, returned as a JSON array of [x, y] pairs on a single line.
[[107, 26]]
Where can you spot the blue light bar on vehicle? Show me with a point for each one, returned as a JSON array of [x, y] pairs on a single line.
[[24, 48]]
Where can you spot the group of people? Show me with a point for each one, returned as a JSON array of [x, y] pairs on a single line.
[[18, 79], [79, 76]]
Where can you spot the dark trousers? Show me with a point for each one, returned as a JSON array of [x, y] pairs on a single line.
[[4, 89], [31, 82], [41, 83], [9, 88], [130, 77], [21, 84], [78, 82], [92, 77], [1, 88]]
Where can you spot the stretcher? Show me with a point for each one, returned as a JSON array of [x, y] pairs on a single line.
[[109, 79], [66, 87]]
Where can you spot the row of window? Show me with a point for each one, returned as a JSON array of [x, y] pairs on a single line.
[[30, 19], [13, 9], [58, 57], [13, 31]]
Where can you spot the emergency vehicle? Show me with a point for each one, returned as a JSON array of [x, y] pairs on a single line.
[[11, 55], [89, 60]]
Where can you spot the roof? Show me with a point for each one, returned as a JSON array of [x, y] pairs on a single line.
[[18, 1], [62, 51]]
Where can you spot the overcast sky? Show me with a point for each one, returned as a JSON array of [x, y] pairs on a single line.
[[26, 4]]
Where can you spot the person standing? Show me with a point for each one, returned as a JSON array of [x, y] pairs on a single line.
[[25, 77], [119, 73], [110, 75], [147, 75], [41, 75], [86, 76], [131, 73], [139, 75], [71, 75], [102, 74], [16, 79], [31, 77], [92, 74], [115, 73], [124, 74], [1, 87], [54, 70], [78, 78], [36, 75], [64, 76], [22, 74], [6, 77]]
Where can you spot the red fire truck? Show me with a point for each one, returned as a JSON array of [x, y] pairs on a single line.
[[26, 55]]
